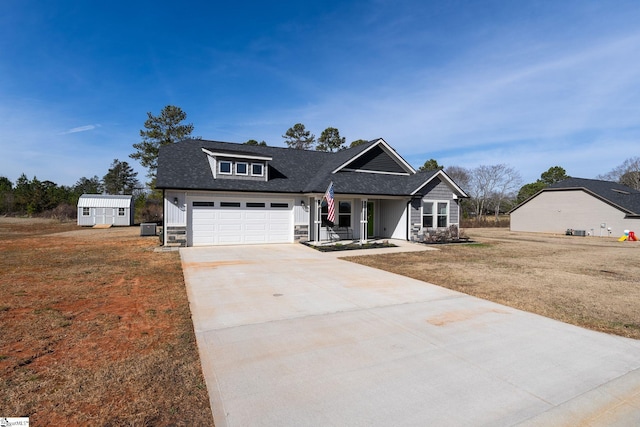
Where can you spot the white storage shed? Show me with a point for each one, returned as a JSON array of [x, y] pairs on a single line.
[[98, 209]]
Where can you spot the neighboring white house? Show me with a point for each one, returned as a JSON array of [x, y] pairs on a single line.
[[599, 208], [95, 209]]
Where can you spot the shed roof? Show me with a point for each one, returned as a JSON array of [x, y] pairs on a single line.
[[104, 201]]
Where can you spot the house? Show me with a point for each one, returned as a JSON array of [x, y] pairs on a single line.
[[98, 209], [218, 193], [596, 207]]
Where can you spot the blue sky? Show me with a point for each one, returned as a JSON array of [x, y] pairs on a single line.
[[532, 84]]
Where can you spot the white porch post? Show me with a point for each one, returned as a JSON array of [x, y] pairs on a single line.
[[363, 221], [318, 219]]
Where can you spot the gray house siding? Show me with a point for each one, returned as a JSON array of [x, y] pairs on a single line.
[[438, 191], [376, 159]]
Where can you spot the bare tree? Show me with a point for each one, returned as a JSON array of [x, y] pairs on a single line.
[[491, 185], [628, 173]]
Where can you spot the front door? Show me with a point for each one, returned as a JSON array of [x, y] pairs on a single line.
[[370, 224]]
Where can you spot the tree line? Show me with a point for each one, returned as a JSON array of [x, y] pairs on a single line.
[[493, 189], [33, 196]]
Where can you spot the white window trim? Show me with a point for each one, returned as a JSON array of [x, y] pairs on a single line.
[[88, 210], [246, 169], [435, 212], [261, 169], [220, 162]]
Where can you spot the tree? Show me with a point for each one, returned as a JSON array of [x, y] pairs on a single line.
[[88, 186], [330, 140], [159, 131], [254, 142], [551, 176], [430, 165], [357, 142], [299, 138], [491, 185], [628, 173], [120, 179], [6, 195]]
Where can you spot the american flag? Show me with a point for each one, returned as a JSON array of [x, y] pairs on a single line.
[[331, 217]]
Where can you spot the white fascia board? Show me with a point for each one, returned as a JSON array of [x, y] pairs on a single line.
[[442, 175], [237, 156], [387, 148]]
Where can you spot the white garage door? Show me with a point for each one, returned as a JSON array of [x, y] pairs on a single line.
[[237, 222]]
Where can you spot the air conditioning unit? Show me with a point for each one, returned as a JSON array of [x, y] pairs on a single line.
[[148, 229]]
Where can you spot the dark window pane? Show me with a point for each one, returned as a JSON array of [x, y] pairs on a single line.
[[344, 220], [255, 205], [241, 168], [230, 204], [202, 204], [257, 169], [225, 167], [279, 205], [427, 221], [344, 207]]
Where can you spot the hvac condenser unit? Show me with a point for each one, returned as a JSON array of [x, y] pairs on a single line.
[[148, 229]]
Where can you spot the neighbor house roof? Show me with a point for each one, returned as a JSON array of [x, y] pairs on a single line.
[[620, 196], [184, 165]]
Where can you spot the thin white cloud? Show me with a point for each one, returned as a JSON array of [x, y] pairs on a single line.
[[80, 129]]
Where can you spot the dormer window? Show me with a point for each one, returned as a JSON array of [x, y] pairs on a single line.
[[225, 167], [257, 169], [238, 165], [242, 168]]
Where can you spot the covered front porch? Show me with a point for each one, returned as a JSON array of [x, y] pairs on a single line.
[[358, 219]]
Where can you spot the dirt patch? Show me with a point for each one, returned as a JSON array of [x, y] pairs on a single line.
[[96, 329], [591, 282]]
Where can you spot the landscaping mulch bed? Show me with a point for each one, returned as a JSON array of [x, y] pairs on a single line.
[[350, 246]]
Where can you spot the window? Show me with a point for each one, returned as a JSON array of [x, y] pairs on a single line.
[[435, 213], [203, 204], [344, 214], [255, 205], [225, 167], [324, 213], [120, 211], [257, 169], [230, 204], [86, 211], [443, 214], [242, 168], [280, 205]]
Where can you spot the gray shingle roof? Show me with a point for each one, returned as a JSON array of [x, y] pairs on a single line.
[[185, 166], [616, 194]]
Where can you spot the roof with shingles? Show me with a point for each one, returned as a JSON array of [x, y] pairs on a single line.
[[184, 165], [625, 198]]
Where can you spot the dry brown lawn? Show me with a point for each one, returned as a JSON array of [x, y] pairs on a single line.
[[591, 282], [95, 329]]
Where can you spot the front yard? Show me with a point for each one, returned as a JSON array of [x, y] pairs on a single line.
[[96, 329], [587, 281]]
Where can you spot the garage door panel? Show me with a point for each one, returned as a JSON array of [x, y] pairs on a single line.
[[253, 222]]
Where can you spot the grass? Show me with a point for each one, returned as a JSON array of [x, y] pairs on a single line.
[[590, 282], [96, 329]]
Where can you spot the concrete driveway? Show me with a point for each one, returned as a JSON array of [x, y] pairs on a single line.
[[289, 336]]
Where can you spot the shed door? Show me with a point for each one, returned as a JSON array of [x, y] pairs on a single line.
[[240, 221]]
